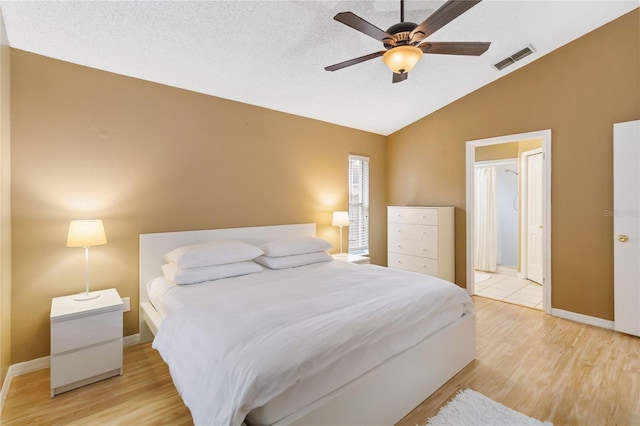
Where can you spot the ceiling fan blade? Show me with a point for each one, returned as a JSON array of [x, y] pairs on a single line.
[[359, 24], [353, 61], [441, 17], [397, 78], [470, 48]]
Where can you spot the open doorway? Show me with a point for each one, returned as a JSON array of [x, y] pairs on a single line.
[[508, 218]]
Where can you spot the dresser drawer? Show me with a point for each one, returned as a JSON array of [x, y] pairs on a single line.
[[85, 331], [413, 232], [415, 248], [80, 365], [413, 263], [421, 216]]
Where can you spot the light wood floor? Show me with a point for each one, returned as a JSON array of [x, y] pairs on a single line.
[[545, 367]]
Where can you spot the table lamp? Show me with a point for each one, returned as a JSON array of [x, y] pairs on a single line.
[[86, 233], [340, 219]]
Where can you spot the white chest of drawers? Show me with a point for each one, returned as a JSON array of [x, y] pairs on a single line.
[[86, 340], [421, 239]]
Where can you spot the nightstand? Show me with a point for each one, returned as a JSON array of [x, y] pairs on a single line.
[[86, 340], [352, 258]]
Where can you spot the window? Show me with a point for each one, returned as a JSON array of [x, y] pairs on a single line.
[[358, 204]]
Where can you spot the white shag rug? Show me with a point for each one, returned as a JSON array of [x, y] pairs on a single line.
[[471, 408]]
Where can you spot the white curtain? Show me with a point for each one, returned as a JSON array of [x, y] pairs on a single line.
[[486, 239]]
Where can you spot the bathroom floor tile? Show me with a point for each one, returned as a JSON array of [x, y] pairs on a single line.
[[510, 289]]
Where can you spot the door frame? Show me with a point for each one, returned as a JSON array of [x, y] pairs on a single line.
[[545, 136]]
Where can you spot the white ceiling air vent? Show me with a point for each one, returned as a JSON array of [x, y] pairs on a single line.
[[513, 58]]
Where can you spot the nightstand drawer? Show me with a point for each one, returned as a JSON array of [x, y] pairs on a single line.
[[413, 263], [81, 365], [86, 331]]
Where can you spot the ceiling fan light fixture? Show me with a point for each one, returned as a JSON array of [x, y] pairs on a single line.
[[402, 59]]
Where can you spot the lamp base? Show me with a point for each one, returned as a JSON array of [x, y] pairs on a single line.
[[82, 297]]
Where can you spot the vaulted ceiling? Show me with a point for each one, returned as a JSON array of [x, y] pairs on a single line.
[[273, 53]]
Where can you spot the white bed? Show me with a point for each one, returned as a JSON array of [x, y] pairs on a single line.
[[348, 391]]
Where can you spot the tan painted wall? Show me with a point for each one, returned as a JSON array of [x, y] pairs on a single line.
[[5, 205], [497, 152], [524, 146], [578, 94], [149, 158]]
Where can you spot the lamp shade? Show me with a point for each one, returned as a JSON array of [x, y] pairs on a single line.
[[340, 219], [402, 59], [86, 233]]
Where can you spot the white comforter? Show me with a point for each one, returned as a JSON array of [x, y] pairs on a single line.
[[239, 347]]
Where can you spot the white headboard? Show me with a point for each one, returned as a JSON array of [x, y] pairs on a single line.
[[154, 246]]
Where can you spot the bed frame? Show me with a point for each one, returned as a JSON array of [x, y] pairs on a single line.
[[383, 395]]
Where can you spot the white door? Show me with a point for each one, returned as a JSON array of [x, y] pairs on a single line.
[[626, 226], [534, 218]]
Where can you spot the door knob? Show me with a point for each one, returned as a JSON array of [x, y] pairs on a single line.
[[623, 238]]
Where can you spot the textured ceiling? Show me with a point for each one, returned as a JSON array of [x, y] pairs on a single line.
[[273, 53]]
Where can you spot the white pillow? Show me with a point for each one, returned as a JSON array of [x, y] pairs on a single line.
[[294, 245], [283, 262], [208, 273], [217, 252]]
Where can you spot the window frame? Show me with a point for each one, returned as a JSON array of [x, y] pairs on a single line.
[[359, 204]]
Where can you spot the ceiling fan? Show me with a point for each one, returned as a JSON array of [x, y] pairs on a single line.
[[402, 40]]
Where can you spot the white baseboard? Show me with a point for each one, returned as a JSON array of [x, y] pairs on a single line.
[[29, 366], [44, 362], [131, 340], [18, 369], [4, 391], [510, 271], [585, 319]]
